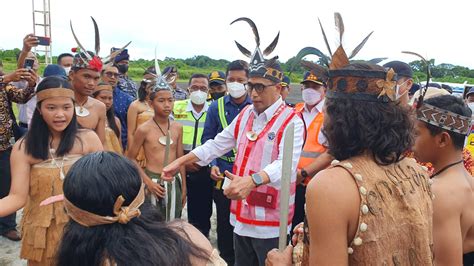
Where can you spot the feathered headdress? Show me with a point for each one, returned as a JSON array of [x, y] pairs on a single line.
[[438, 116], [259, 66], [87, 59], [161, 81], [359, 84]]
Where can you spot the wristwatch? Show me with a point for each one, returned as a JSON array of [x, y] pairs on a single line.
[[257, 179], [304, 174]]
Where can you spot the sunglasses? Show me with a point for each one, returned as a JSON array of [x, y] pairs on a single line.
[[258, 87], [112, 74]]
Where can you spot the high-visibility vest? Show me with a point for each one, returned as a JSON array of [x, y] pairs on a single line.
[[253, 156], [192, 126], [312, 148], [224, 124]]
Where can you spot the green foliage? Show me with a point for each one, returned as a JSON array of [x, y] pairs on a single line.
[[204, 64]]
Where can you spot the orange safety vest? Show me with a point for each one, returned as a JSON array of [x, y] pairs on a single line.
[[312, 148]]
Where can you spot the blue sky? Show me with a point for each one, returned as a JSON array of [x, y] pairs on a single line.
[[183, 29]]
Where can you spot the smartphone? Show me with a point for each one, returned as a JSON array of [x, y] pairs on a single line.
[[29, 63], [45, 41]]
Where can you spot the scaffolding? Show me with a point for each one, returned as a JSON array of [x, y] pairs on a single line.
[[42, 26]]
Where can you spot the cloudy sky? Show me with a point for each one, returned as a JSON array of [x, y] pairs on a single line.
[[182, 29]]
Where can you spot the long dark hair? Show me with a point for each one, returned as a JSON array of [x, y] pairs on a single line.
[[110, 114], [38, 136], [93, 184], [353, 127]]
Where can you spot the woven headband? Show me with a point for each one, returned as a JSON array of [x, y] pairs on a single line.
[[54, 92], [122, 214]]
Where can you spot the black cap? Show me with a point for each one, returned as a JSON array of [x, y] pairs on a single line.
[[402, 69], [216, 78]]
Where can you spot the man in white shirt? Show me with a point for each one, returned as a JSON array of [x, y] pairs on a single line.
[[257, 133]]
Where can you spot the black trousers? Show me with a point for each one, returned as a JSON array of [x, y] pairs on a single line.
[[468, 259], [225, 231], [252, 251], [300, 199], [199, 186], [7, 223]]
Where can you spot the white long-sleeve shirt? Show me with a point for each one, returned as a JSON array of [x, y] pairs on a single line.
[[226, 141]]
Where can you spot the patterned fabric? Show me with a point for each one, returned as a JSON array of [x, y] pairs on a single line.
[[121, 103], [179, 94], [9, 94], [466, 155], [128, 86]]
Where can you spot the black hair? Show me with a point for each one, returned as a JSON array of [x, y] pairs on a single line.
[[142, 93], [353, 127], [38, 136], [93, 184], [61, 56], [453, 104], [238, 65], [103, 69], [197, 76], [110, 114], [150, 70]]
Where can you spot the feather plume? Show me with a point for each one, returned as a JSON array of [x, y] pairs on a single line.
[[359, 47], [428, 77], [252, 25], [243, 49], [315, 68], [314, 51], [339, 25], [97, 37], [325, 38], [114, 54], [377, 60], [79, 43], [272, 45], [157, 66]]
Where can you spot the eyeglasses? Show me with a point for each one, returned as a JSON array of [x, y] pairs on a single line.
[[112, 74], [258, 87]]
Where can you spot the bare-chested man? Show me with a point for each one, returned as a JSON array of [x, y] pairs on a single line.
[[89, 111], [440, 140], [152, 136]]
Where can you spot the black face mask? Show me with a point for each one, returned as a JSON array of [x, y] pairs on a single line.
[[217, 95], [122, 68]]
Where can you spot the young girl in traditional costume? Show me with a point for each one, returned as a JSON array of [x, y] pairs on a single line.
[[112, 223], [39, 163], [104, 93], [138, 113]]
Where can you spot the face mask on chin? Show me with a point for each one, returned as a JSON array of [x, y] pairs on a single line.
[[198, 97], [311, 96], [236, 89]]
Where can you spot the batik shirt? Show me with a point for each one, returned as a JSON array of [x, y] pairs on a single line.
[[9, 94], [128, 86]]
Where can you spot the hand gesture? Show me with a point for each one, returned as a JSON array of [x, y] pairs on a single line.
[[216, 174], [279, 258], [239, 188], [29, 42], [170, 171], [156, 189]]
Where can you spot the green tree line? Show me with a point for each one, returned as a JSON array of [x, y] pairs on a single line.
[[444, 72]]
